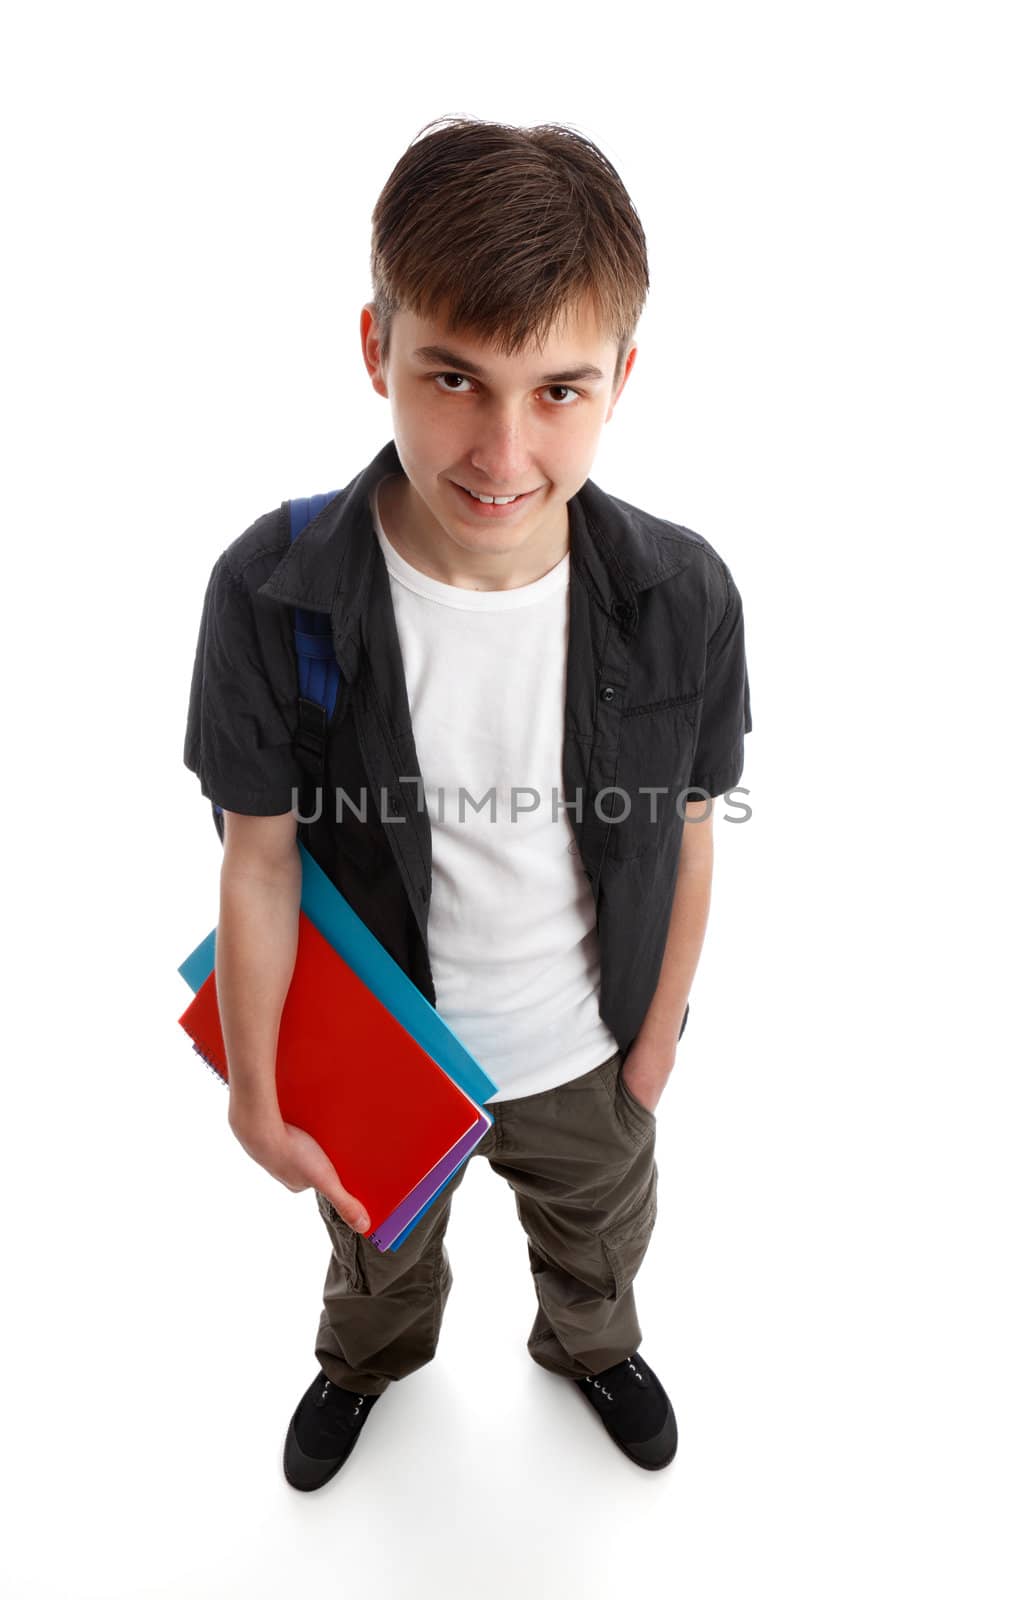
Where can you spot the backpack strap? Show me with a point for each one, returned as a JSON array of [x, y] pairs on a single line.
[[318, 671]]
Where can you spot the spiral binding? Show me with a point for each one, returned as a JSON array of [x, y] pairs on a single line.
[[209, 1065]]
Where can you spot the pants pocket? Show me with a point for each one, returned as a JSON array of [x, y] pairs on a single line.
[[345, 1242], [628, 1108]]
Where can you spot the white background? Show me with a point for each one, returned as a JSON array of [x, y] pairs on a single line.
[[834, 387]]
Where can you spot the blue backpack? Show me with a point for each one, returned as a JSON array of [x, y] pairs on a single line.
[[318, 671]]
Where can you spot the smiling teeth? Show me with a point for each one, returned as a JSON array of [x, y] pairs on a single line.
[[491, 500]]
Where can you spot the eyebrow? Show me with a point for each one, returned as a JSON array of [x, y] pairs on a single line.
[[436, 355]]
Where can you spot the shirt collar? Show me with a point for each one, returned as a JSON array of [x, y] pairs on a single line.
[[616, 548]]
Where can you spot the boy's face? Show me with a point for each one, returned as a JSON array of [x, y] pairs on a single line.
[[465, 417]]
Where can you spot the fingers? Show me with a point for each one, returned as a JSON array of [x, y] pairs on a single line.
[[349, 1209], [320, 1174]]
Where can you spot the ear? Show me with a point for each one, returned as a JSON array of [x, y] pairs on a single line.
[[629, 363], [370, 339]]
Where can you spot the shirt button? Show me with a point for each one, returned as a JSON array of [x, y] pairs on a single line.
[[393, 805], [623, 611], [607, 694]]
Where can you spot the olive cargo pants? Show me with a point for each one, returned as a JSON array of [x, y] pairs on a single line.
[[580, 1160]]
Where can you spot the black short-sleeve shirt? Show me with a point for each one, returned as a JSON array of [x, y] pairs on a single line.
[[656, 700], [240, 716], [724, 707]]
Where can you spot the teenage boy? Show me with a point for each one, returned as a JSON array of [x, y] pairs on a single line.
[[543, 688]]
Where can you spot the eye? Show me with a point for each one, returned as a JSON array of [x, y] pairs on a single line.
[[436, 376], [553, 388]]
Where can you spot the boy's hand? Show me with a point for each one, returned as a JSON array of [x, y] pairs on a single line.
[[294, 1158], [646, 1068]]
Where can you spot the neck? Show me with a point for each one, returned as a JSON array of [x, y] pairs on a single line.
[[422, 542]]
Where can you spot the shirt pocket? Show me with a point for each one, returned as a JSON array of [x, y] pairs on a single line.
[[655, 757]]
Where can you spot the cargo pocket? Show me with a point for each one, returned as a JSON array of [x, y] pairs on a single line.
[[345, 1241], [625, 1245]]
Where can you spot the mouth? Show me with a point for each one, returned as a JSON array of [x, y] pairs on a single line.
[[491, 509]]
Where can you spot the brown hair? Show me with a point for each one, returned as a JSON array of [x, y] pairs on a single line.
[[507, 229]]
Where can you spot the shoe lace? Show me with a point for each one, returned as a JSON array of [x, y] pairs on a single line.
[[595, 1383], [360, 1399]]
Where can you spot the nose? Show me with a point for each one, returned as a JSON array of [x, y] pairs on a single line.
[[500, 457]]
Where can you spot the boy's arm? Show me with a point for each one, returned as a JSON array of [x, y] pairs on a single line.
[[723, 718], [239, 741], [652, 1054], [260, 888]]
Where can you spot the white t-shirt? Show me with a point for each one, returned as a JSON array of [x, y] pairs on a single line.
[[511, 925]]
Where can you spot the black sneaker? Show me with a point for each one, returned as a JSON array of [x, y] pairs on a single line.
[[322, 1432], [635, 1410]]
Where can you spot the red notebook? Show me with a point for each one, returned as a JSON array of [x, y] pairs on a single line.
[[350, 1074]]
